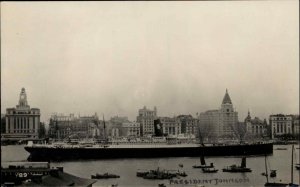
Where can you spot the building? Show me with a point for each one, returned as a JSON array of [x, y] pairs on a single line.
[[221, 122], [146, 119], [256, 127], [62, 126], [280, 124], [189, 125], [170, 126], [22, 122], [296, 126], [131, 129]]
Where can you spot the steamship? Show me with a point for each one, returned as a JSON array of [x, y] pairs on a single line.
[[155, 147]]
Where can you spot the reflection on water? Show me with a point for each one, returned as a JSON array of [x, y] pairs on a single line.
[[126, 168]]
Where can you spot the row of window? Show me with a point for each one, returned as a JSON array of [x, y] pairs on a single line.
[[20, 123]]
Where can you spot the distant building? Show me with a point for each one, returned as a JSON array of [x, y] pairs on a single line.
[[280, 124], [256, 127], [130, 129], [218, 123], [146, 119], [62, 126], [189, 125], [22, 122], [170, 126], [295, 124]]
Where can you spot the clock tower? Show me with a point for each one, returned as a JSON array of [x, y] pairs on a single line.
[[23, 98]]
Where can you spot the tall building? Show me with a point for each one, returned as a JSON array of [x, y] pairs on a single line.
[[22, 122], [221, 122], [280, 124], [146, 119]]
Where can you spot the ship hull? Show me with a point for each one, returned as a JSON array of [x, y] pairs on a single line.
[[52, 153]]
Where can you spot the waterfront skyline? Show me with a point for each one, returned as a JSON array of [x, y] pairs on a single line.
[[115, 58]]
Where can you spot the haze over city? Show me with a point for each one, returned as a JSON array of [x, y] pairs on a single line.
[[114, 58]]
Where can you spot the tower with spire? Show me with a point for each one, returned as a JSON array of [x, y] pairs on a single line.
[[228, 117], [222, 121]]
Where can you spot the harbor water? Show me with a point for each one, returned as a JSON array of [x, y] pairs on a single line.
[[127, 168]]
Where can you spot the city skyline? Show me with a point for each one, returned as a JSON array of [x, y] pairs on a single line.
[[112, 59]]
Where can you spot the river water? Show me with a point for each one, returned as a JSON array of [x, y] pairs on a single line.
[[126, 168]]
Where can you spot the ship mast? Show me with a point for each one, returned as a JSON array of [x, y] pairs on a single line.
[[292, 174], [266, 168], [104, 131]]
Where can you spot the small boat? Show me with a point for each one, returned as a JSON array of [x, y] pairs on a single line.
[[158, 174], [238, 169], [209, 170], [181, 174], [203, 164], [104, 176], [141, 173], [273, 173]]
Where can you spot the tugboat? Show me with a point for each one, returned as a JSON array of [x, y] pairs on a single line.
[[203, 164], [157, 174], [209, 170], [104, 176], [238, 169]]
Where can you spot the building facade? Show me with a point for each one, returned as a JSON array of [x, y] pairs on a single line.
[[189, 125], [62, 126], [221, 122], [170, 126], [256, 127], [131, 129], [22, 122], [296, 125], [146, 119], [280, 124]]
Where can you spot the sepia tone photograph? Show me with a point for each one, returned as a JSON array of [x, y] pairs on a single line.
[[150, 93]]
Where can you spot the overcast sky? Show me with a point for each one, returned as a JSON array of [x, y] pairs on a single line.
[[115, 57]]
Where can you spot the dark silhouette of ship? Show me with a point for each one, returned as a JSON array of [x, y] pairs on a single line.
[[104, 176], [238, 169]]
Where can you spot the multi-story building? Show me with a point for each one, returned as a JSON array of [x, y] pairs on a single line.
[[146, 119], [219, 122], [296, 125], [280, 124], [170, 126], [189, 125], [114, 126], [256, 127], [62, 126], [22, 122], [131, 129]]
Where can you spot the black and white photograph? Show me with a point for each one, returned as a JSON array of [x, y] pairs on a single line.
[[150, 93]]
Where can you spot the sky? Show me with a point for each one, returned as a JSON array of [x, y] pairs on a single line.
[[114, 58]]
